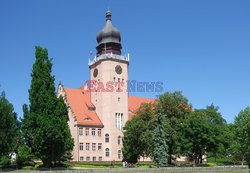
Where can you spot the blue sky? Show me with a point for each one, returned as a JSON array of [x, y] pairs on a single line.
[[199, 47]]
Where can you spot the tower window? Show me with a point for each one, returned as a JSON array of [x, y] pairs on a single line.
[[107, 152], [118, 79], [107, 137], [119, 154], [118, 120], [119, 140]]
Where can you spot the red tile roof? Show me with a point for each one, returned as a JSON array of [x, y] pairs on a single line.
[[80, 103], [135, 102]]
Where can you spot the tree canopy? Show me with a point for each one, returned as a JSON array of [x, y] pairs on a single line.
[[45, 119], [9, 133]]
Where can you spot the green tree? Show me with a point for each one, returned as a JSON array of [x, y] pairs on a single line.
[[242, 133], [24, 156], [8, 129], [159, 141], [202, 132], [231, 149], [45, 125], [137, 140], [175, 108]]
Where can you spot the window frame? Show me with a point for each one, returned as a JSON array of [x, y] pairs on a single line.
[[93, 146], [87, 146], [99, 147], [86, 131], [80, 131], [81, 146], [107, 138], [93, 131], [107, 152], [99, 131]]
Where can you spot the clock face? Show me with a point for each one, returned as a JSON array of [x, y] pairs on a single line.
[[118, 69], [95, 73]]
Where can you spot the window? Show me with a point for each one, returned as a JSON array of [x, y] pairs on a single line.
[[107, 138], [93, 132], [100, 158], [93, 146], [107, 152], [80, 131], [119, 140], [119, 154], [118, 79], [87, 146], [81, 158], [119, 99], [118, 120], [114, 78], [81, 146], [87, 131], [88, 158], [94, 158], [99, 146], [99, 132]]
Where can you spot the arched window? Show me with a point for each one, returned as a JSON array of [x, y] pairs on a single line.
[[107, 152], [107, 137], [119, 154], [119, 140]]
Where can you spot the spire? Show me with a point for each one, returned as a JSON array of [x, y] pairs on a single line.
[[109, 38], [108, 15]]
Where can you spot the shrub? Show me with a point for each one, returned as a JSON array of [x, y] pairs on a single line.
[[24, 157], [5, 161]]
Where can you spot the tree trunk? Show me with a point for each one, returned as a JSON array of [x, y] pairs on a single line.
[[200, 158], [242, 161], [170, 152]]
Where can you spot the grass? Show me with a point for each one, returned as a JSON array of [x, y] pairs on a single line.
[[95, 164]]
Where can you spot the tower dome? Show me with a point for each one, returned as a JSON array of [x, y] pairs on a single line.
[[109, 38]]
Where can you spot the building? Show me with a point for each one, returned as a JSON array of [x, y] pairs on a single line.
[[99, 109]]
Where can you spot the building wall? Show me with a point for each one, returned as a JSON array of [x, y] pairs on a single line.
[[88, 154], [72, 123], [109, 103]]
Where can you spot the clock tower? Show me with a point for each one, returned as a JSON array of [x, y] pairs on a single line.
[[109, 75]]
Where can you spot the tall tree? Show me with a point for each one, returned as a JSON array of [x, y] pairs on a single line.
[[242, 131], [159, 141], [8, 127], [174, 107], [45, 120]]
